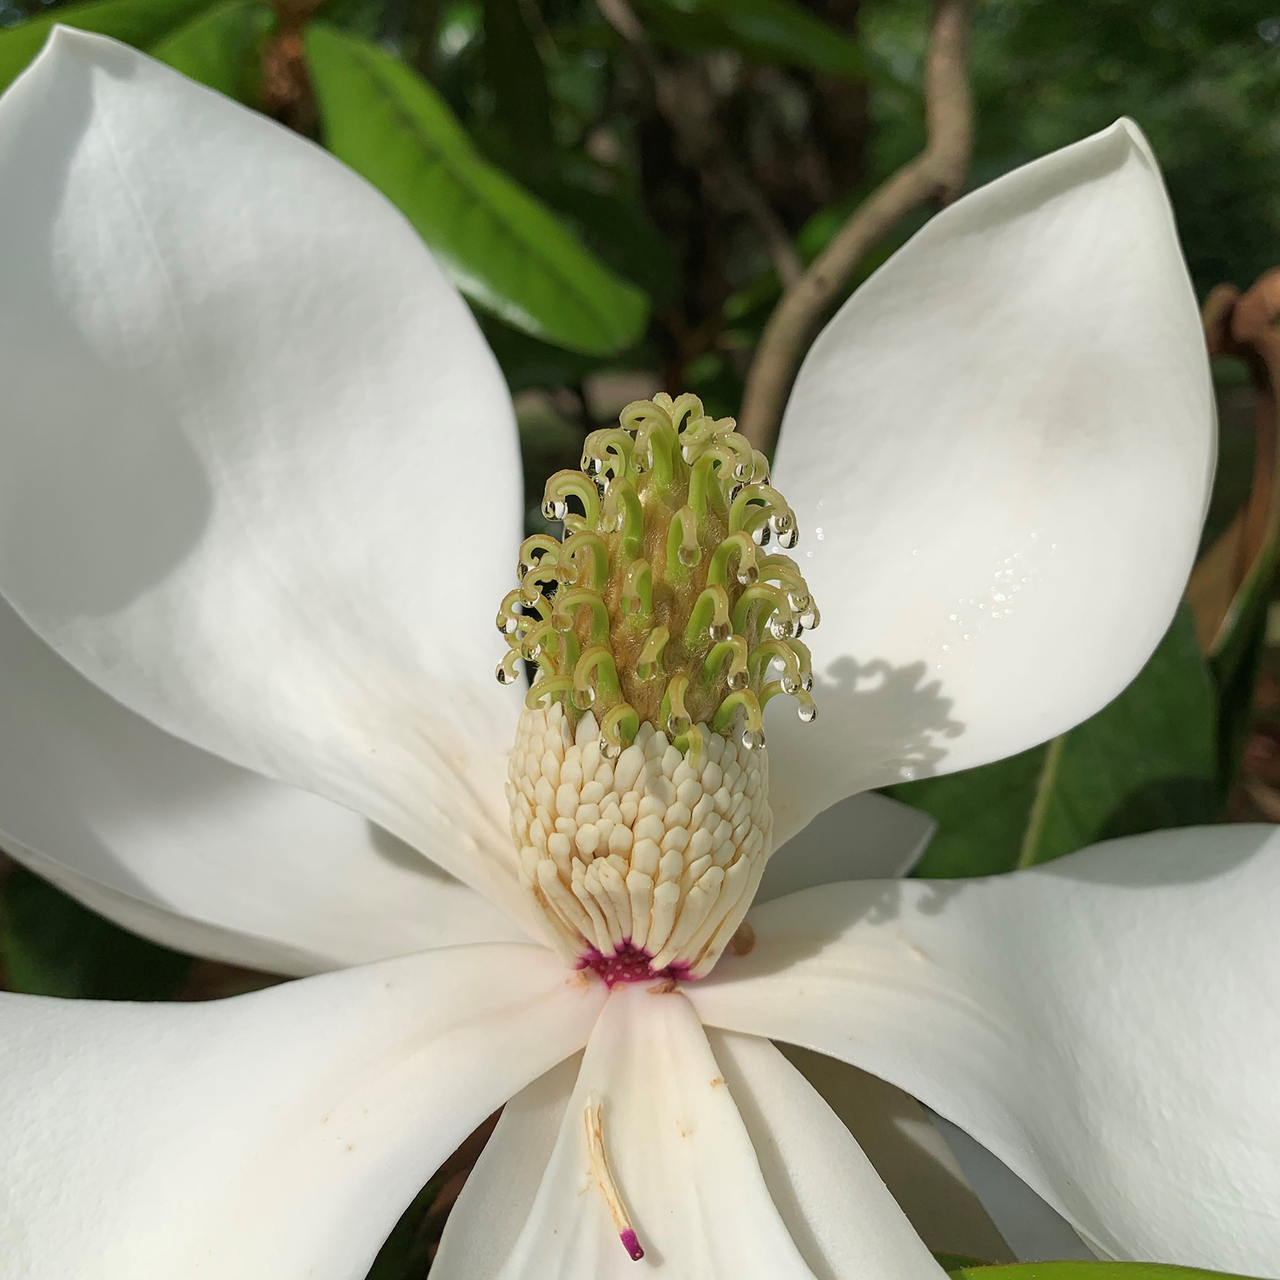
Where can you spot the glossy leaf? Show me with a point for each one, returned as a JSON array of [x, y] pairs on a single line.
[[137, 22], [514, 73], [772, 31], [52, 946], [221, 48], [503, 248], [1088, 1271], [1147, 760]]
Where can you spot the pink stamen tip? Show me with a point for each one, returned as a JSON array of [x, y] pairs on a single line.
[[631, 1244]]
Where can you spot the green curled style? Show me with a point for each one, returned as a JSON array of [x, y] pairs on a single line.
[[545, 691], [607, 453], [618, 730], [727, 662], [740, 544], [683, 551], [770, 651], [761, 605], [572, 484], [595, 679], [636, 597], [807, 710], [649, 663], [591, 546], [760, 506], [673, 716], [569, 605], [535, 548], [745, 703], [709, 617], [623, 514]]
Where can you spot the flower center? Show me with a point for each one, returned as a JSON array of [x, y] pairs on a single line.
[[639, 782]]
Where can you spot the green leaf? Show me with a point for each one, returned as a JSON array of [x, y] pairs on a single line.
[[222, 48], [1089, 1271], [52, 946], [1146, 761], [763, 30], [503, 248], [137, 22], [514, 72]]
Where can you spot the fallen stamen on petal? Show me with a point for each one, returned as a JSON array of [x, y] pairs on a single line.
[[594, 1121]]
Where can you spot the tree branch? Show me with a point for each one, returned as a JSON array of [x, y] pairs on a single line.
[[938, 172]]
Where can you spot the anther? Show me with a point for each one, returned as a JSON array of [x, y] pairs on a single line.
[[599, 1165]]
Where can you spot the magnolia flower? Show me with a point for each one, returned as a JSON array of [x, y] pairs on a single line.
[[261, 496]]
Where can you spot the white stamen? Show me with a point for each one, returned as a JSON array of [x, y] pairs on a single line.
[[655, 851]]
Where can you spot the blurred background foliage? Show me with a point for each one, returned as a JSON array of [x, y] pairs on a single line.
[[619, 190]]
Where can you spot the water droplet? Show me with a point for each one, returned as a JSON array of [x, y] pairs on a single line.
[[689, 556], [788, 537], [807, 712], [610, 750], [555, 509], [806, 682], [678, 724], [737, 679], [747, 574], [753, 739], [760, 535], [506, 625], [719, 631], [646, 670], [790, 684], [810, 617], [783, 628], [584, 696], [505, 676]]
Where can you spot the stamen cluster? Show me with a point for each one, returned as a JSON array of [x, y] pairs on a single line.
[[660, 606]]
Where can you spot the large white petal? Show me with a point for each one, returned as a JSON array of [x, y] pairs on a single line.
[[728, 1164], [909, 1153], [273, 1136], [1107, 1025], [200, 854], [258, 469], [999, 453], [862, 837], [837, 1208]]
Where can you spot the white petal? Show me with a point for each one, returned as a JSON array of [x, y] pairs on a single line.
[[199, 854], [909, 1153], [683, 1130], [273, 1136], [1107, 1025], [487, 1219], [1035, 1231], [862, 837], [999, 453], [259, 470], [834, 1203]]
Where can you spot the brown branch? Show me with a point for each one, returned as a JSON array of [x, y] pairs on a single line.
[[687, 104], [1243, 325], [937, 173]]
